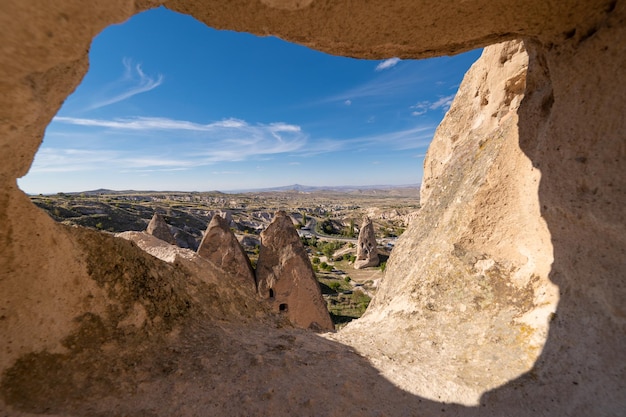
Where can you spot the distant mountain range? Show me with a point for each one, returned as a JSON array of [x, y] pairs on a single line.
[[343, 189], [338, 188]]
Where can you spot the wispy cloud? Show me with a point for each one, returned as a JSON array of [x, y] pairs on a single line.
[[386, 64], [133, 82], [424, 106], [148, 143], [161, 123], [443, 102], [389, 85], [417, 137]]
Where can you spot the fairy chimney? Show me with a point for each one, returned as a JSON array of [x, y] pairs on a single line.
[[220, 246], [366, 253], [159, 229], [286, 279]]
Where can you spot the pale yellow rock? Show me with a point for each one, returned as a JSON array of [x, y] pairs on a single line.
[[285, 277], [92, 325], [476, 295]]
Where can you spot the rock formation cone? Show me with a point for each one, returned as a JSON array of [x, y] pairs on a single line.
[[286, 278], [220, 246], [366, 253], [159, 229]]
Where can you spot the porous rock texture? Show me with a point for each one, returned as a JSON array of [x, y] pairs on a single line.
[[93, 325], [159, 229], [480, 309], [285, 277], [366, 249], [220, 246]]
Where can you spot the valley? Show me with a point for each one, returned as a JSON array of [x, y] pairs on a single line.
[[328, 222]]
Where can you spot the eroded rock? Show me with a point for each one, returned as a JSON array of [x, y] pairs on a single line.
[[57, 357], [285, 277], [220, 246], [366, 252], [159, 229]]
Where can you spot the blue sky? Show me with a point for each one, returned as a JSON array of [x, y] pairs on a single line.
[[170, 104]]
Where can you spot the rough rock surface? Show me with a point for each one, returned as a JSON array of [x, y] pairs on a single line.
[[480, 297], [220, 246], [479, 307], [366, 249], [286, 278], [91, 325], [159, 229], [184, 240]]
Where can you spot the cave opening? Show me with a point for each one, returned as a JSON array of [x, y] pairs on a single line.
[[573, 124]]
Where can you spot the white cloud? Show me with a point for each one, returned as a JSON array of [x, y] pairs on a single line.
[[418, 137], [419, 109], [226, 172], [133, 82], [388, 63], [424, 106], [152, 143], [154, 123], [443, 102]]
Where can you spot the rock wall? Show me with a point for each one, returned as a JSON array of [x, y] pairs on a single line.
[[478, 255], [514, 265], [91, 324]]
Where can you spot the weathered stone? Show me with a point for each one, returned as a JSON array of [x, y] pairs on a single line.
[[159, 229], [220, 246], [184, 240], [285, 277], [366, 249], [466, 264], [66, 321]]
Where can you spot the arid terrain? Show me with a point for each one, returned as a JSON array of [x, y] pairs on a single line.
[[503, 297], [328, 221]]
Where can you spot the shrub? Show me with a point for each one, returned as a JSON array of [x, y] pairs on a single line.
[[383, 266], [347, 279]]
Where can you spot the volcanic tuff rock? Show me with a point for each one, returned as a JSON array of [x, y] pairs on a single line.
[[159, 229], [366, 252], [286, 278], [466, 266], [220, 246], [73, 338]]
